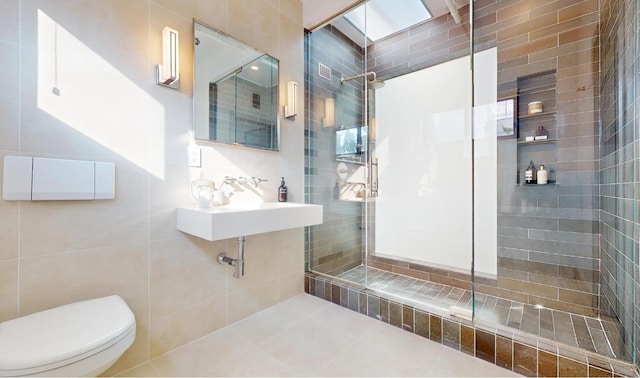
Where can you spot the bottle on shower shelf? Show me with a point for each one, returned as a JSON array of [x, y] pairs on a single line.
[[542, 176], [541, 133], [530, 174]]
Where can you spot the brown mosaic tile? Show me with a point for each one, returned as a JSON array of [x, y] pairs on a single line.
[[528, 287], [335, 294], [595, 372], [380, 265], [513, 10], [524, 338], [502, 293], [578, 355], [576, 297], [528, 26], [480, 4], [319, 292], [429, 269], [391, 261], [407, 318], [412, 273], [354, 300], [545, 7], [329, 258], [486, 346], [568, 25], [363, 303], [504, 352], [625, 370], [467, 340], [451, 281], [460, 275], [525, 360], [435, 328], [373, 306], [344, 297], [573, 59], [547, 364], [384, 310], [578, 10], [395, 314], [571, 368], [548, 346], [421, 322], [312, 286], [451, 334], [561, 305], [483, 21], [527, 266], [486, 280]]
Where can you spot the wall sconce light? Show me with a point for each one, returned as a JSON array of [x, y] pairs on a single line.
[[329, 112], [168, 73], [291, 108], [373, 130]]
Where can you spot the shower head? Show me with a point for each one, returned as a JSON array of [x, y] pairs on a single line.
[[374, 83]]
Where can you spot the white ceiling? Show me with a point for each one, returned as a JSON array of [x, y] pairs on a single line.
[[316, 12]]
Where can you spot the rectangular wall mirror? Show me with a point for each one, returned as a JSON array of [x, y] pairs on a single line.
[[235, 91]]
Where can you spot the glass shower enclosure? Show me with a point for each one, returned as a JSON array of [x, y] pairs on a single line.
[[391, 161], [420, 154]]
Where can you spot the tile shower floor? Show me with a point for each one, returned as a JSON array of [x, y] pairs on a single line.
[[308, 336], [593, 334]]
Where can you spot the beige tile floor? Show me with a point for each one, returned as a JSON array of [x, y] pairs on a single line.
[[306, 336]]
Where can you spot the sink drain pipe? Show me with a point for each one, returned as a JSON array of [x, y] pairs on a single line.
[[238, 263]]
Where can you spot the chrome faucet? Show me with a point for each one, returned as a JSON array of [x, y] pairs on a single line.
[[253, 181]]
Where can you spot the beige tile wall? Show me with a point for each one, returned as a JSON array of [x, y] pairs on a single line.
[[101, 57]]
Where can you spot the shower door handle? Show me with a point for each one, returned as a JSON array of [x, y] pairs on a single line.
[[374, 178]]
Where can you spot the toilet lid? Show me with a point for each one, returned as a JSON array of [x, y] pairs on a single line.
[[57, 335]]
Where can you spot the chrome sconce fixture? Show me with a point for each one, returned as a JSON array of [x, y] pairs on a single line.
[[168, 73], [291, 108]]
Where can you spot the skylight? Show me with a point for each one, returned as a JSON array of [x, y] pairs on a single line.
[[386, 17]]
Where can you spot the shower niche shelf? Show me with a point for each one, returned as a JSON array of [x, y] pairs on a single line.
[[536, 115], [539, 141], [537, 87], [550, 184]]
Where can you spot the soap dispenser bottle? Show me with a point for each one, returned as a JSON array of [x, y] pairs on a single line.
[[543, 175], [530, 174], [282, 192]]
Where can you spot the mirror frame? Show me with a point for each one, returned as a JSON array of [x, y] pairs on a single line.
[[276, 109]]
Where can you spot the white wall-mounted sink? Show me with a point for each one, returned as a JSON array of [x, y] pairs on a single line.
[[234, 220]]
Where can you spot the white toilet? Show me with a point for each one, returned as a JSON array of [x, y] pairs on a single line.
[[78, 339]]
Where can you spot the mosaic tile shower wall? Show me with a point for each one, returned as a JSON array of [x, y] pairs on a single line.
[[619, 166], [547, 236]]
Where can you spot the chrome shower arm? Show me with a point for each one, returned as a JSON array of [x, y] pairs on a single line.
[[342, 80]]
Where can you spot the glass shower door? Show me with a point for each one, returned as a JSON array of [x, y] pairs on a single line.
[[421, 223], [335, 152]]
